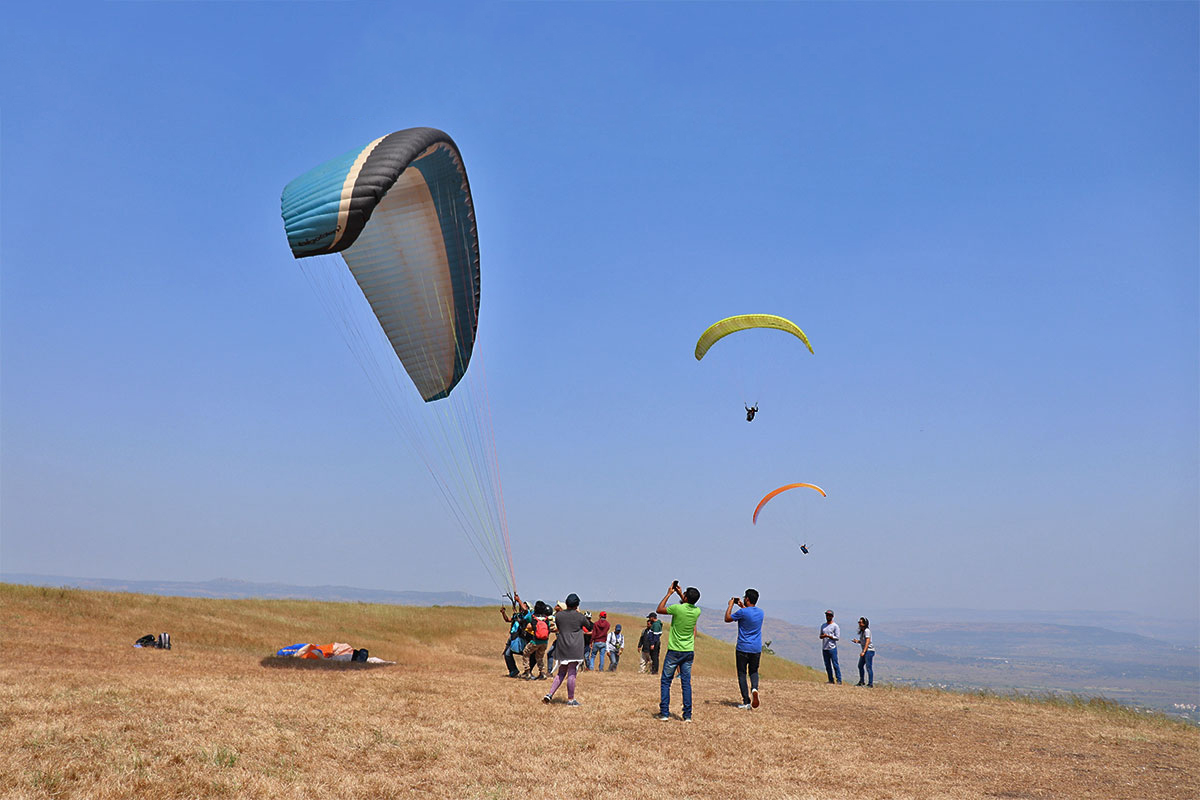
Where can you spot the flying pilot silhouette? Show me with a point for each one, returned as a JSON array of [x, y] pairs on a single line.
[[750, 412]]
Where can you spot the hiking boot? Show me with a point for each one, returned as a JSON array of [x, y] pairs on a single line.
[[754, 698], [663, 717], [546, 699], [860, 683], [573, 702]]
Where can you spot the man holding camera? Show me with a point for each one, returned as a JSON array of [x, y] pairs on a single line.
[[681, 648], [749, 643]]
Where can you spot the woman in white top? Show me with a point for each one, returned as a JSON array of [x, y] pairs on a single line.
[[867, 657]]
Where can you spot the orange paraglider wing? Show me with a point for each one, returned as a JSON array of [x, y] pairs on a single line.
[[766, 499]]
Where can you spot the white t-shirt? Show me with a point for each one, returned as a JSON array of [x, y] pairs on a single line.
[[615, 641], [865, 636], [832, 629]]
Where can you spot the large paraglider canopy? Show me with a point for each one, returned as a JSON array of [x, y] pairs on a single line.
[[400, 214], [781, 490], [743, 322], [417, 262]]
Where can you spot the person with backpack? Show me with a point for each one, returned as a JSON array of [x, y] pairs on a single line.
[[571, 626], [516, 634], [681, 648], [539, 640], [652, 642], [614, 646]]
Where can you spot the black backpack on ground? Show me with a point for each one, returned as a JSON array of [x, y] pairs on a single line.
[[360, 655]]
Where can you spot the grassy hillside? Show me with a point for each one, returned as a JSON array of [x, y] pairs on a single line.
[[83, 714]]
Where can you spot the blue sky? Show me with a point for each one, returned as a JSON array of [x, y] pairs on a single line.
[[985, 216]]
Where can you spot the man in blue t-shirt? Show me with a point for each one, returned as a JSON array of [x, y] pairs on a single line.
[[749, 643]]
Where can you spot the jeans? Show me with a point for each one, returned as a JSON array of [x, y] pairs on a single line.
[[613, 657], [550, 656], [511, 662], [867, 660], [831, 664], [682, 660], [747, 662], [597, 656]]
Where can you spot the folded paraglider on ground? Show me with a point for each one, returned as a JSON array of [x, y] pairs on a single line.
[[335, 651]]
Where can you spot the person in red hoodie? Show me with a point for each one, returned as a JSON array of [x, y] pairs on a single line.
[[599, 642]]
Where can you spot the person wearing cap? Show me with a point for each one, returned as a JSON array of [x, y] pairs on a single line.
[[535, 649], [648, 644], [681, 649], [614, 646], [749, 619], [599, 642], [571, 625], [516, 633], [831, 634]]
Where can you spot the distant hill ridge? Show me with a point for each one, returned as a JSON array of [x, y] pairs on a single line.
[[235, 589]]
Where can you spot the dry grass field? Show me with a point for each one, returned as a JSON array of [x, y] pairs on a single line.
[[85, 715]]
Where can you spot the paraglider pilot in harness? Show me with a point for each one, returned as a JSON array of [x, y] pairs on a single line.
[[750, 412]]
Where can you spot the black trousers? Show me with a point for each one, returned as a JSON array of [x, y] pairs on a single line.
[[747, 662]]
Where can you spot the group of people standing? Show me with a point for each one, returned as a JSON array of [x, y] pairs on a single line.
[[577, 639], [831, 634], [529, 634]]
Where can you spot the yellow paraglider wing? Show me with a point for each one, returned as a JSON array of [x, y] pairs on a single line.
[[719, 330]]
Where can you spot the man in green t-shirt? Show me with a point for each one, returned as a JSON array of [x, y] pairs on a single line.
[[681, 648]]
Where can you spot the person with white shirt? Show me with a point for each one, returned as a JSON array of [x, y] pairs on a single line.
[[614, 646], [867, 657], [831, 634]]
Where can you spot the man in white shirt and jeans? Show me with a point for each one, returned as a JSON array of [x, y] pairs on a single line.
[[830, 635]]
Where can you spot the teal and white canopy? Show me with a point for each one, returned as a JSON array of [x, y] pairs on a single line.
[[400, 212]]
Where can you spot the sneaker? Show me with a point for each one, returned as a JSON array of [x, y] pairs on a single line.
[[573, 702], [540, 678], [687, 719], [754, 698], [860, 683], [663, 717], [546, 699], [744, 706]]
